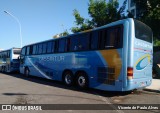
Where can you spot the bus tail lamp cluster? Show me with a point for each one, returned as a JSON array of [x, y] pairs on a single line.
[[130, 73]]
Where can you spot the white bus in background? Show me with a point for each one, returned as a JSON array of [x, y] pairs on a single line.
[[9, 60]]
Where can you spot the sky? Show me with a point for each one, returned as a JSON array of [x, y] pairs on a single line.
[[40, 19]]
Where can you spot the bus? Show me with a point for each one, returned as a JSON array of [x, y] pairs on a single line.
[[9, 60], [114, 57]]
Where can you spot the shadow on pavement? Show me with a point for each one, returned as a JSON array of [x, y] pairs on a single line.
[[61, 85]]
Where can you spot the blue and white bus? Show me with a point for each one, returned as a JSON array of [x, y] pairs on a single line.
[[9, 60], [114, 57]]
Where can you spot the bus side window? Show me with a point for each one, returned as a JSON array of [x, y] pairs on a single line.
[[31, 49], [67, 48], [44, 48], [83, 44], [111, 38], [73, 43], [120, 37], [28, 50], [34, 50], [62, 44], [114, 38], [94, 40], [40, 47], [23, 52], [50, 46], [102, 35]]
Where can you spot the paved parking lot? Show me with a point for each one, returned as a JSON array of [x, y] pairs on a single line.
[[17, 89]]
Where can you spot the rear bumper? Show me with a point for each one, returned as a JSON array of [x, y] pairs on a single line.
[[138, 83]]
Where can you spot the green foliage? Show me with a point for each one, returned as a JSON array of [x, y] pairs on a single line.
[[150, 15], [65, 33], [82, 24], [156, 42], [100, 12]]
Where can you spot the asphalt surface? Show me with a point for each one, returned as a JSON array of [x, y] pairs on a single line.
[[17, 89]]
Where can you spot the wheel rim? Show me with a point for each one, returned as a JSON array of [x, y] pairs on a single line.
[[82, 81], [68, 79]]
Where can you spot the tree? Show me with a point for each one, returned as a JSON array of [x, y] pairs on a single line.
[[149, 13], [65, 33], [101, 13]]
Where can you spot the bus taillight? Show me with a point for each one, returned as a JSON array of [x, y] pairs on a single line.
[[130, 73]]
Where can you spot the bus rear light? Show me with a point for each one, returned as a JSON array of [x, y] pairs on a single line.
[[130, 73]]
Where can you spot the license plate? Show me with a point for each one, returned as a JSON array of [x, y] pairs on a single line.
[[142, 84]]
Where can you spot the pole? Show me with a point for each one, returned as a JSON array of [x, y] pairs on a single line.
[[14, 17]]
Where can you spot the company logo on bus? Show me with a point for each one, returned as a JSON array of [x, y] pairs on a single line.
[[143, 62], [143, 44]]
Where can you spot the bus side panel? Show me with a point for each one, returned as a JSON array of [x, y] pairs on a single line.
[[108, 70], [51, 66], [104, 68]]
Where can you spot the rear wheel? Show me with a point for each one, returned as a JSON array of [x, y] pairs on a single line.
[[82, 80], [8, 69], [68, 78], [26, 72], [3, 69]]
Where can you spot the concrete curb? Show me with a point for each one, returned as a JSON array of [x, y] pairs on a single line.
[[152, 90]]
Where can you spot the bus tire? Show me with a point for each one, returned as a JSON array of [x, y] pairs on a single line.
[[82, 80], [68, 78], [3, 69], [26, 72]]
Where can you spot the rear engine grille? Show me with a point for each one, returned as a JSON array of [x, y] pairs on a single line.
[[106, 75]]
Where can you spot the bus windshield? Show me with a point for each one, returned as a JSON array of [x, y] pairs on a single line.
[[142, 31], [17, 52]]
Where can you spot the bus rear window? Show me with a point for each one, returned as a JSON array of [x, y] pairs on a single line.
[[142, 31]]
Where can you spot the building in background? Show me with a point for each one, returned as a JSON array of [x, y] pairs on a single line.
[[135, 9], [132, 7], [1, 49]]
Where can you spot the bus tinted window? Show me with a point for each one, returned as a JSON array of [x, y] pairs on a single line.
[[44, 47], [28, 50], [84, 42], [102, 35], [80, 42], [114, 38], [61, 45], [142, 31], [23, 51], [50, 47], [67, 48], [74, 44], [34, 49], [94, 40], [40, 48]]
